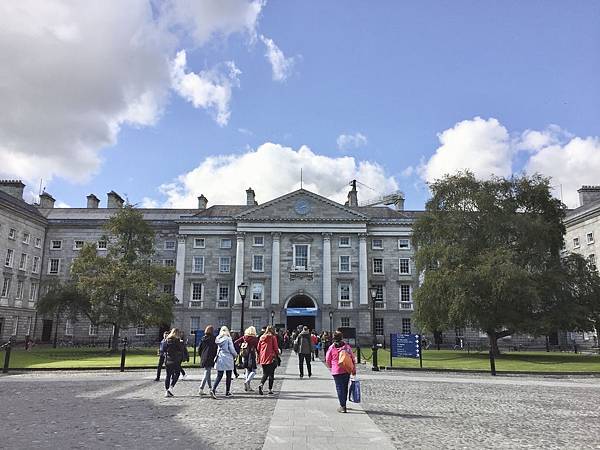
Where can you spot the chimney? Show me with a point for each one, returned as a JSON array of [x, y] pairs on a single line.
[[12, 187], [92, 201], [46, 201], [588, 194], [202, 202], [250, 201], [114, 200], [399, 203], [352, 195]]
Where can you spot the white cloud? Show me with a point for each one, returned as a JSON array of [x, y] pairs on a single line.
[[273, 170], [207, 89], [281, 66], [481, 146], [351, 141]]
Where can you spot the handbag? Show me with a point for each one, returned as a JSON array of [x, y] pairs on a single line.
[[354, 391]]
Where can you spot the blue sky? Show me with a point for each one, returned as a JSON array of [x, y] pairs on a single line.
[[392, 75]]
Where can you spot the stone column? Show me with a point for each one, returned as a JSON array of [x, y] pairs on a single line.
[[363, 270], [327, 268], [180, 268], [239, 267], [275, 269]]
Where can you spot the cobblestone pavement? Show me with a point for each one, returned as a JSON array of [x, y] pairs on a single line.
[[451, 411]]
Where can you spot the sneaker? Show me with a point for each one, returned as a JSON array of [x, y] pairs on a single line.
[[157, 379], [249, 388], [271, 393], [309, 375], [341, 409], [228, 394], [169, 393], [260, 389], [246, 388], [201, 393], [213, 394]]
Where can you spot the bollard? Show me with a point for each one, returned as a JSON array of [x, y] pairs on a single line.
[[7, 348], [358, 355], [123, 353]]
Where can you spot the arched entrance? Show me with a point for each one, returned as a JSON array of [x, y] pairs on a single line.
[[301, 310]]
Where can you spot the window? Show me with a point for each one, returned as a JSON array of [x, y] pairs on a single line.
[[259, 241], [222, 320], [226, 243], [377, 244], [344, 241], [380, 297], [258, 263], [19, 290], [169, 245], [576, 242], [590, 237], [406, 325], [101, 245], [199, 243], [93, 330], [345, 296], [224, 264], [345, 321], [592, 261], [140, 330], [403, 244], [404, 266], [168, 288], [257, 295], [77, 245], [28, 326], [257, 322], [38, 242], [405, 297], [379, 325], [196, 298], [35, 265], [55, 245], [5, 287], [68, 328], [377, 265], [12, 234], [23, 261], [26, 238], [54, 266], [301, 256], [223, 296], [198, 264], [15, 325], [169, 262], [33, 290], [194, 324], [344, 263], [10, 253]]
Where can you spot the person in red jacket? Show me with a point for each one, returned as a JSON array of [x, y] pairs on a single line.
[[248, 344], [268, 353]]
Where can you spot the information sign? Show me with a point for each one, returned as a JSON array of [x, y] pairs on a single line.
[[406, 345]]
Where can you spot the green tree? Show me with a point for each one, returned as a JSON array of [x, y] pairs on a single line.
[[123, 286], [487, 247]]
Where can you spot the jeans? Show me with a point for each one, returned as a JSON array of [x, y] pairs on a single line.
[[268, 372], [227, 381], [302, 357], [206, 378], [249, 375], [341, 386], [161, 361], [172, 376]]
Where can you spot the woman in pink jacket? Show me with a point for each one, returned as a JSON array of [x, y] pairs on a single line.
[[340, 375]]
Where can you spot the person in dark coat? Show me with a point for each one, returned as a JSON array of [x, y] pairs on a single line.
[[303, 347], [161, 355], [173, 357], [207, 351], [248, 344]]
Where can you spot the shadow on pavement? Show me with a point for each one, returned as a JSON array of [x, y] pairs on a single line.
[[402, 415]]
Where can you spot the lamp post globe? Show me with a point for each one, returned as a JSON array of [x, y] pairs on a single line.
[[374, 291], [331, 324], [242, 289], [272, 317]]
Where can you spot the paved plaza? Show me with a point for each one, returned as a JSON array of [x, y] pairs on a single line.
[[399, 410]]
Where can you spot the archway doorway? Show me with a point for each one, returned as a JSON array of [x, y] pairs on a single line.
[[301, 310]]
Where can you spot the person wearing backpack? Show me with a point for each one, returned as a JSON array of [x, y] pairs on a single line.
[[248, 344], [303, 347], [207, 351], [341, 362], [173, 356]]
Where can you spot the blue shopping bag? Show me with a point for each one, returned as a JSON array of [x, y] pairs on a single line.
[[354, 391]]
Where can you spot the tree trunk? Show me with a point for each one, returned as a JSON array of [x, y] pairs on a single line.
[[437, 336], [115, 339], [55, 332], [494, 343]]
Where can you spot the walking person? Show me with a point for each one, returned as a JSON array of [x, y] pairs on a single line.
[[341, 367], [207, 351], [315, 342], [173, 357], [161, 355], [186, 355], [303, 347], [248, 346], [226, 355], [268, 355]]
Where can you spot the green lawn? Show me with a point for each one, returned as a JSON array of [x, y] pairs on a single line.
[[508, 361]]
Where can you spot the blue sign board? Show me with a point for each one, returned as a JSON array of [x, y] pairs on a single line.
[[199, 336], [407, 345], [301, 312]]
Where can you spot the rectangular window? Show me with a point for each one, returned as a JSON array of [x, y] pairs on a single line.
[[197, 292], [379, 325], [405, 297], [257, 295], [55, 245], [403, 244], [93, 330], [5, 287], [12, 234], [54, 266], [301, 256], [224, 264], [10, 254], [259, 241], [592, 261], [35, 265], [68, 328], [170, 245], [344, 241], [77, 245], [377, 244], [345, 321], [194, 324], [169, 262], [38, 242], [15, 325], [590, 237], [257, 322], [576, 242], [377, 265], [404, 266], [380, 297], [26, 238], [168, 288], [19, 290], [198, 264], [23, 261], [33, 292], [344, 263], [199, 242], [140, 330], [222, 320], [406, 329], [226, 243], [345, 299], [258, 263], [223, 296], [101, 245]]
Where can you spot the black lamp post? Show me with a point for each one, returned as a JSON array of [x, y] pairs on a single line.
[[373, 291], [331, 323], [242, 289], [272, 317]]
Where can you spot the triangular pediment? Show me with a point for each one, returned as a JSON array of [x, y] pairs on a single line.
[[302, 205]]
